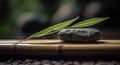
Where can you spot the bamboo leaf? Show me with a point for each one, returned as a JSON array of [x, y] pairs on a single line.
[[88, 22], [52, 29]]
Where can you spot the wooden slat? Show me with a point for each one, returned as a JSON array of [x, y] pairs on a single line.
[[52, 41], [57, 47]]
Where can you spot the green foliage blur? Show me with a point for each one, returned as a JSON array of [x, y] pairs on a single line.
[[11, 10], [13, 14]]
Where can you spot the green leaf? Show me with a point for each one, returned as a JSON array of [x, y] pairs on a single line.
[[88, 22], [52, 29]]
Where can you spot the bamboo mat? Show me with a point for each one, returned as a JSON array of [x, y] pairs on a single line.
[[57, 47]]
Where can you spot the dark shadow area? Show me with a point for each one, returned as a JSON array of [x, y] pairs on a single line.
[[90, 42]]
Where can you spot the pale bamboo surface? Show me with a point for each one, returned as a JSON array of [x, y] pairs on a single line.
[[57, 47]]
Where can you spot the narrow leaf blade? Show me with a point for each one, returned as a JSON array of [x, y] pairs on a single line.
[[53, 28], [89, 22]]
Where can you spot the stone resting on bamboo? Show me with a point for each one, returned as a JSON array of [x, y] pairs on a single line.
[[79, 35]]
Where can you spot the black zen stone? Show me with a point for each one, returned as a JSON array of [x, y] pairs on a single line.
[[79, 35]]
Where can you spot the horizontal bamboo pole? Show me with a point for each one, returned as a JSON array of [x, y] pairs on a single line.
[[57, 47]]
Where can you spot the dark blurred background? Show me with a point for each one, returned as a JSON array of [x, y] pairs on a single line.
[[21, 18]]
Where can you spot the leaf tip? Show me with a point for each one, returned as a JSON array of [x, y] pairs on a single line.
[[107, 18], [77, 17]]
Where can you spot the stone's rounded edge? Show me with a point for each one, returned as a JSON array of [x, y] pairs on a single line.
[[80, 35]]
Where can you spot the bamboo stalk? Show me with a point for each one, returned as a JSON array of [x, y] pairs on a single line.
[[57, 47], [6, 46]]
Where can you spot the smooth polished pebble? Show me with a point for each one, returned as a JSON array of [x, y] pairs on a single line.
[[79, 35]]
